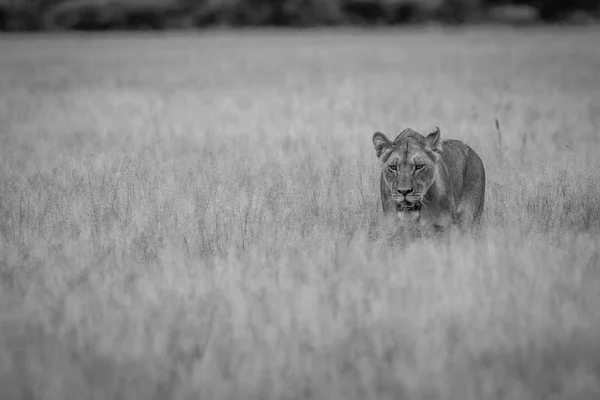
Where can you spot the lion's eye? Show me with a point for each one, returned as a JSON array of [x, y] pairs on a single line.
[[418, 166], [393, 167]]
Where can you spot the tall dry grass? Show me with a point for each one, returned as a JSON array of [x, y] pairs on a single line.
[[198, 217]]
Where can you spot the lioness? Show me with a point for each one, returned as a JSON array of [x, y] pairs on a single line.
[[429, 181]]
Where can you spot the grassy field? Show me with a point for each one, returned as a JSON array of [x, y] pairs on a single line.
[[197, 217]]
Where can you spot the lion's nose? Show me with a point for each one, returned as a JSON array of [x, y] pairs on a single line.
[[404, 192]]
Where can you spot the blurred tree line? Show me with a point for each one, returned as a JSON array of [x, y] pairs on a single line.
[[20, 15]]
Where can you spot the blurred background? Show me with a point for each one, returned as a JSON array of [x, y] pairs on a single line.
[[95, 15]]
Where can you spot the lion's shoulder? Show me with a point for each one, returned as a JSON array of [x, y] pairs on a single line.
[[457, 155]]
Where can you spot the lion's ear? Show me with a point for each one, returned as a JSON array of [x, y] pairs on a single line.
[[434, 141], [380, 142]]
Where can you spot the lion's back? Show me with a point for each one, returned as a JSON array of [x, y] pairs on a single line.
[[465, 173]]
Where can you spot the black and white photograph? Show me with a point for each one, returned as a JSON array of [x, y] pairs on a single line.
[[299, 199]]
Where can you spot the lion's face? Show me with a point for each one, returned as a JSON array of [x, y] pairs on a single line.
[[409, 168]]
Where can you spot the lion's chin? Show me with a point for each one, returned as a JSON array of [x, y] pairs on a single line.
[[407, 211], [408, 215]]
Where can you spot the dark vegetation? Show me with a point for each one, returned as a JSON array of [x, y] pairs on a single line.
[[28, 15]]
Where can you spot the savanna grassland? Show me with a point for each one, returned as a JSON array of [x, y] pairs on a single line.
[[197, 216]]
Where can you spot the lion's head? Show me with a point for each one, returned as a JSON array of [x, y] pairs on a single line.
[[409, 167]]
